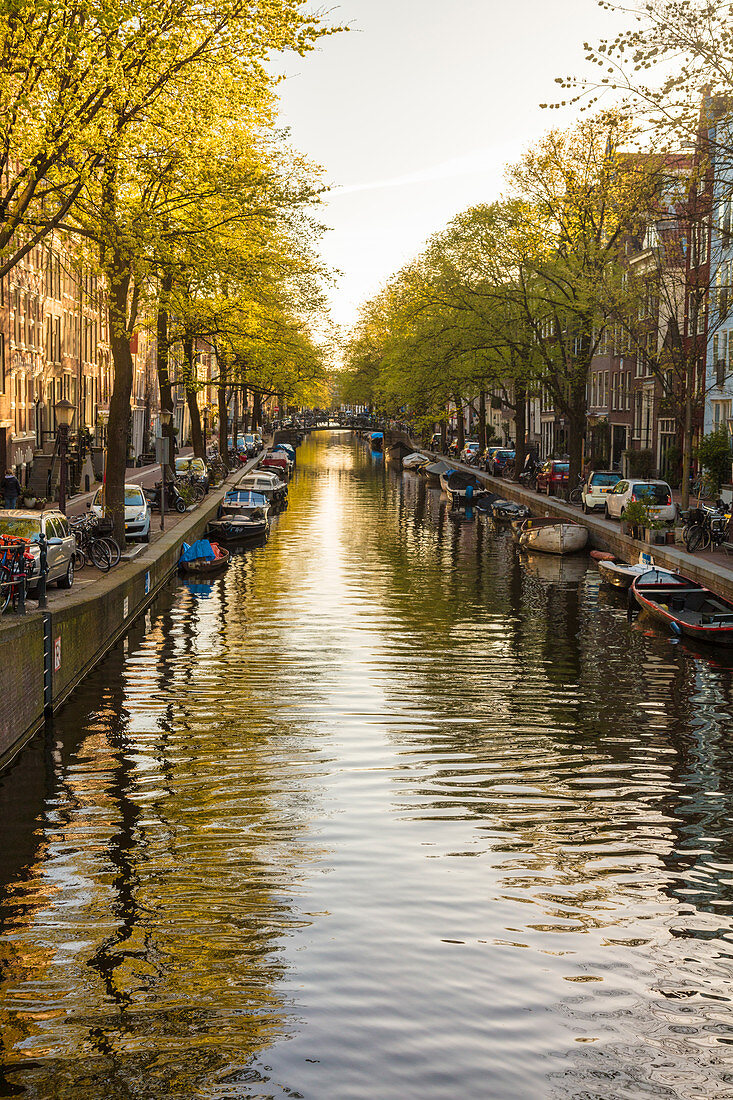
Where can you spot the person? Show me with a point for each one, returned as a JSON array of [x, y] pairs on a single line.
[[12, 490]]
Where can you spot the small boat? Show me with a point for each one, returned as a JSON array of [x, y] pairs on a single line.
[[552, 536], [278, 461], [414, 461], [377, 440], [432, 471], [507, 511], [620, 574], [685, 606], [462, 488], [268, 484], [242, 514], [203, 558]]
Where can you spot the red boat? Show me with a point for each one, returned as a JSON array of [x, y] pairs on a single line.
[[685, 606], [277, 462]]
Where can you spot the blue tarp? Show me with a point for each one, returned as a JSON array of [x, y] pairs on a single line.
[[199, 551]]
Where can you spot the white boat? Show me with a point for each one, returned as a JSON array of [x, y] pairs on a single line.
[[242, 514], [552, 536], [620, 574], [414, 461], [267, 483]]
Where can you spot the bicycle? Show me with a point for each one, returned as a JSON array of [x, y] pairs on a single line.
[[190, 489], [575, 496], [705, 527], [14, 565], [91, 547]]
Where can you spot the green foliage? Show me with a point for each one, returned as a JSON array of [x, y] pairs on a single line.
[[640, 463], [714, 455]]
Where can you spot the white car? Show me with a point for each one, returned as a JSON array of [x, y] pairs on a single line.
[[656, 493], [470, 451], [137, 512], [597, 487]]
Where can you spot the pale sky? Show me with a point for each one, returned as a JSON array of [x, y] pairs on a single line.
[[415, 112]]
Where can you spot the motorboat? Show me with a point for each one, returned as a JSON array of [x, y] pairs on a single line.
[[620, 574], [432, 471], [461, 487], [414, 461], [267, 482], [242, 514], [685, 606], [552, 536], [203, 558], [279, 461], [507, 511]]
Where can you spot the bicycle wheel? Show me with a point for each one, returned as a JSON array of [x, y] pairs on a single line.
[[576, 497], [80, 558], [99, 553], [198, 492], [696, 537], [6, 592], [114, 551]]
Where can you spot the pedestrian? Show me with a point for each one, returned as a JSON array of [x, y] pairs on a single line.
[[11, 489]]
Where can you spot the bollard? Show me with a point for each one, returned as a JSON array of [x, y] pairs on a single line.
[[43, 570]]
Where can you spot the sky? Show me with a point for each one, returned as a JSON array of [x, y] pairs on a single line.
[[415, 112]]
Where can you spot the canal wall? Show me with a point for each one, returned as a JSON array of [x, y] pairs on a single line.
[[44, 655], [603, 534]]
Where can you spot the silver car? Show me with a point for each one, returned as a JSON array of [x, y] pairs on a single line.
[[61, 543]]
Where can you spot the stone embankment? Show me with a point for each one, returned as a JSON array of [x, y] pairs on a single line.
[[710, 570], [44, 655]]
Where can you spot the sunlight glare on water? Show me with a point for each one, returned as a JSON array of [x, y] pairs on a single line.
[[384, 812]]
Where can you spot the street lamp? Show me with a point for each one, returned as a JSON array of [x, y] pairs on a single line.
[[64, 411], [166, 419]]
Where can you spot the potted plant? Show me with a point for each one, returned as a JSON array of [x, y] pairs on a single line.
[[27, 499], [635, 518]]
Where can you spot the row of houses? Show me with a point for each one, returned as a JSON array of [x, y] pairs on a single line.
[[687, 256], [54, 344]]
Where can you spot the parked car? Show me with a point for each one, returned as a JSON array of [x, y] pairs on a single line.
[[137, 512], [499, 460], [599, 484], [252, 444], [61, 543], [552, 475], [435, 442], [196, 467], [656, 493], [470, 451]]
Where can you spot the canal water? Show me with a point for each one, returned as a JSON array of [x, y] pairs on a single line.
[[385, 812]]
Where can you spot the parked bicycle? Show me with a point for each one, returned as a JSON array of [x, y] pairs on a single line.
[[15, 565], [91, 546], [706, 527], [575, 496]]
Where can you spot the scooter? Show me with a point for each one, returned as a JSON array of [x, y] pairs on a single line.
[[173, 499]]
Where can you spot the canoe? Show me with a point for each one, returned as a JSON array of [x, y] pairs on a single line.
[[552, 537], [602, 555], [685, 606], [201, 568]]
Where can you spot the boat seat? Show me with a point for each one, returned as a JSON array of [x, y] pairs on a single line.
[[719, 618]]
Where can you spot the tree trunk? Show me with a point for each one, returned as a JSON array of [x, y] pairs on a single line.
[[197, 436], [119, 403], [520, 423], [576, 428], [687, 445], [256, 410], [443, 436], [163, 360], [482, 421], [459, 425]]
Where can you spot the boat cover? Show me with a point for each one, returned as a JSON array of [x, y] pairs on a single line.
[[459, 479], [437, 468], [201, 550], [377, 435]]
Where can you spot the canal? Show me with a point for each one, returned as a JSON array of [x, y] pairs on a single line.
[[383, 813]]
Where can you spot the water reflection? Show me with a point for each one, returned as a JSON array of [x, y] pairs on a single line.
[[385, 810]]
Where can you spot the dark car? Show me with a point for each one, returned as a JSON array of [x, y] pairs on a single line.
[[552, 475], [500, 459]]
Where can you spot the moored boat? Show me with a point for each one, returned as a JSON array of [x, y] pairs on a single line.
[[242, 514], [685, 606], [432, 471], [620, 574], [461, 487], [377, 440], [551, 536], [268, 484], [414, 461], [203, 558]]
